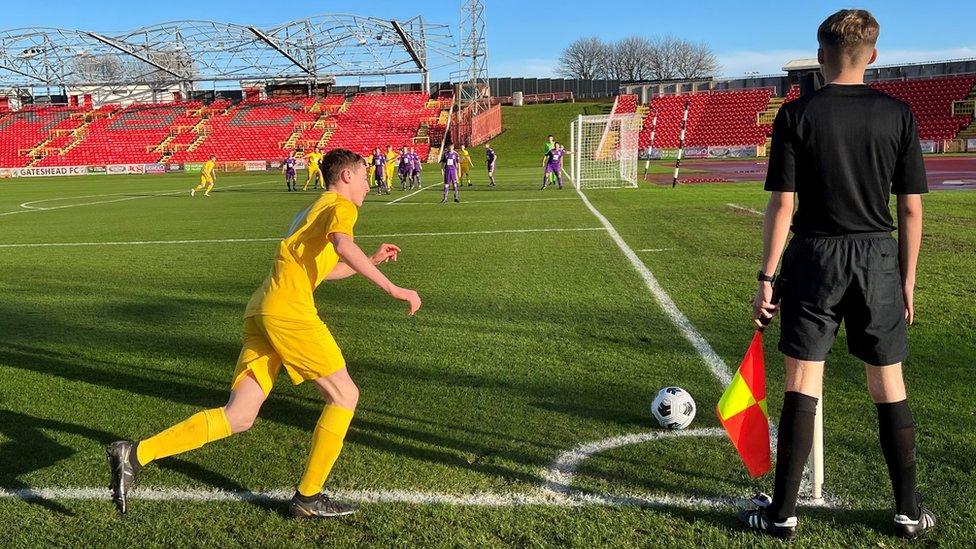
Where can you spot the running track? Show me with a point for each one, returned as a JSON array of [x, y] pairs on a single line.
[[955, 172]]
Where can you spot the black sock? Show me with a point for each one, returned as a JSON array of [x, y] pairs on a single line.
[[134, 458], [896, 430], [792, 449], [305, 499]]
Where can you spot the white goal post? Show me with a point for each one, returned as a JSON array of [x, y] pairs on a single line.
[[604, 150]]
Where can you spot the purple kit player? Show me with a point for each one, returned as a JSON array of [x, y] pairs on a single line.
[[404, 167], [553, 161], [450, 163], [379, 163], [416, 168], [288, 169], [490, 158]]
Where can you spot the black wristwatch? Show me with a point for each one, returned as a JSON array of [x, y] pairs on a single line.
[[763, 277]]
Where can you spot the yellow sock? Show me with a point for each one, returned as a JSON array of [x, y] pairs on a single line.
[[194, 432], [330, 430]]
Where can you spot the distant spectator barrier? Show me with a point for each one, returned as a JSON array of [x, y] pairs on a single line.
[[529, 99]]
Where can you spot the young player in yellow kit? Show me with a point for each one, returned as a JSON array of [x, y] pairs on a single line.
[[207, 177], [282, 330], [391, 156], [370, 170], [465, 165], [313, 158]]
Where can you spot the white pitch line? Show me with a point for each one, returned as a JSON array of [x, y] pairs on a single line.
[[482, 499], [715, 363], [656, 250], [28, 206], [273, 239], [744, 209], [486, 201], [422, 189], [412, 497], [559, 476]]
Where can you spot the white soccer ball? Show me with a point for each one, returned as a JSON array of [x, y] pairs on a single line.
[[673, 408]]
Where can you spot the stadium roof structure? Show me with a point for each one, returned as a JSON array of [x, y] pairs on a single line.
[[316, 49]]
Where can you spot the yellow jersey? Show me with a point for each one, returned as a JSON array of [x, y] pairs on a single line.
[[208, 168], [305, 257], [465, 159], [313, 160]]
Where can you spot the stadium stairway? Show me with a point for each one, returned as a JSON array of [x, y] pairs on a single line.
[[969, 132], [766, 117]]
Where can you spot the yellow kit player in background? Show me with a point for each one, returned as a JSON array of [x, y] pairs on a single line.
[[207, 177], [391, 156], [314, 173], [282, 330], [370, 170], [465, 165]]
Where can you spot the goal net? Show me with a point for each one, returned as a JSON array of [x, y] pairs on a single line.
[[604, 150]]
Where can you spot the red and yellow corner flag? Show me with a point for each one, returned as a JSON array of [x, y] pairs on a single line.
[[742, 410]]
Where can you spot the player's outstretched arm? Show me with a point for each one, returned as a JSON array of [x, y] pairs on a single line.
[[354, 257], [386, 252]]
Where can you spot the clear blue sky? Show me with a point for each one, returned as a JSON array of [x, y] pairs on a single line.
[[524, 41]]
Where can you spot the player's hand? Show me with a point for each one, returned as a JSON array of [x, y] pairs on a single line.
[[762, 304], [909, 293], [410, 296], [385, 253]]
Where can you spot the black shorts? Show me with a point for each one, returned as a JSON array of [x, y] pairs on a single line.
[[854, 278]]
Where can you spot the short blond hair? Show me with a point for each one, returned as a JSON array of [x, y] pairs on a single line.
[[848, 35]]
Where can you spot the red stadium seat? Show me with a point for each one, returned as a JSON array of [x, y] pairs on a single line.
[[251, 130]]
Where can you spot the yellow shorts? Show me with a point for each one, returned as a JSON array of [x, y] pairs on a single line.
[[205, 180], [305, 348]]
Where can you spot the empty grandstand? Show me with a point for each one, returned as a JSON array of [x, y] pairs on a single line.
[[192, 131], [740, 112], [154, 112], [78, 98]]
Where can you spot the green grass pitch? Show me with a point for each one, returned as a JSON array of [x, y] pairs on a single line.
[[536, 336]]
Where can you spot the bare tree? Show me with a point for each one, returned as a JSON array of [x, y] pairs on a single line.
[[695, 60], [98, 68], [662, 62], [637, 58], [630, 59], [584, 58], [179, 62], [676, 58]]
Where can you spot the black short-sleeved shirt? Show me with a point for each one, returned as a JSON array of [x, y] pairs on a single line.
[[844, 149]]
